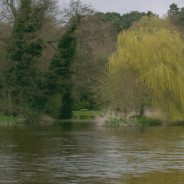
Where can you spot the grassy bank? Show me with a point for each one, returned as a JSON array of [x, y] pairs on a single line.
[[79, 116], [105, 119], [9, 120], [115, 119], [111, 119], [86, 114]]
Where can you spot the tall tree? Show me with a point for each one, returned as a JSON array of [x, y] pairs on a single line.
[[181, 17], [9, 8], [75, 7], [95, 43], [153, 58], [61, 74], [173, 9], [23, 49]]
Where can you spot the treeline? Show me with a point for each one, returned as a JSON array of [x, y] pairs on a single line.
[[53, 61]]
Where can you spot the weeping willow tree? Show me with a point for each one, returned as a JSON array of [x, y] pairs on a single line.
[[148, 70]]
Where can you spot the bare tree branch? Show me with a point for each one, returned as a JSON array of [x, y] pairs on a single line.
[[11, 3]]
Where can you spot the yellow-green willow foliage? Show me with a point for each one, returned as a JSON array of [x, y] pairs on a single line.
[[148, 69]]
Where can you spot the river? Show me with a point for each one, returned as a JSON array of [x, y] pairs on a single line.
[[83, 153]]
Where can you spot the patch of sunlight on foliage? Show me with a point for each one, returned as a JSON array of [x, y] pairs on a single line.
[[85, 114]]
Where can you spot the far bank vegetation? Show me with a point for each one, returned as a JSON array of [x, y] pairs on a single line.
[[56, 60]]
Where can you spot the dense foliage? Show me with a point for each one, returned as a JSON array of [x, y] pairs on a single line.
[[148, 71], [21, 78], [52, 63], [121, 22], [60, 67]]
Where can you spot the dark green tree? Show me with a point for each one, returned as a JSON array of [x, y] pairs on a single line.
[[176, 15], [118, 22], [180, 17], [129, 18], [173, 9], [60, 70], [23, 50], [114, 18]]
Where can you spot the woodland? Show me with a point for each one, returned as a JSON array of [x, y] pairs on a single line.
[[55, 59]]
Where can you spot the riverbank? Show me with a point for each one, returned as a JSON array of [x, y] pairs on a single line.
[[110, 119], [90, 115], [100, 118], [8, 120], [82, 116], [132, 121]]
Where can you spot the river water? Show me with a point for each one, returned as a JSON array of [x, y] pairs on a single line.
[[83, 153]]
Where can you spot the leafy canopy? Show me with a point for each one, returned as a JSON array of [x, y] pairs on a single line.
[[155, 56]]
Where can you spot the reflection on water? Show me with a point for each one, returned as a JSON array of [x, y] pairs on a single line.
[[84, 153]]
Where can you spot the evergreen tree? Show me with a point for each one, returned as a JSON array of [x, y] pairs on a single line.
[[173, 9], [60, 70], [25, 46], [181, 17]]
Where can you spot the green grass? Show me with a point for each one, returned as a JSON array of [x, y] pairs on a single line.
[[7, 119], [86, 114], [148, 121], [113, 122]]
